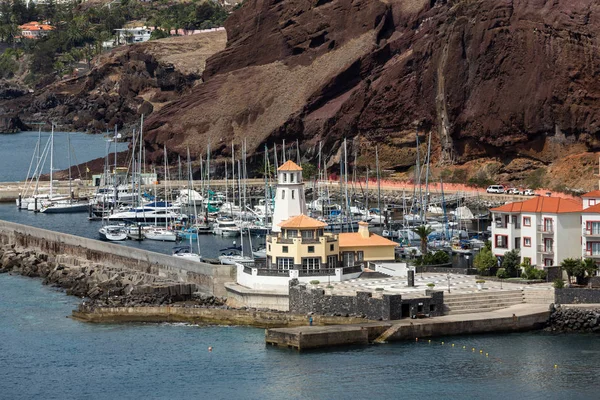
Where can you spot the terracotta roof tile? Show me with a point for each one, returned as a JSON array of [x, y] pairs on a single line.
[[593, 193], [302, 221], [553, 205], [289, 165], [592, 209], [355, 239]]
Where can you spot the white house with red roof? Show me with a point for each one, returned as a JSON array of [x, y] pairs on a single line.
[[546, 230], [590, 221]]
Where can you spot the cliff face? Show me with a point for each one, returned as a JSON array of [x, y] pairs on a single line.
[[120, 86], [510, 80]]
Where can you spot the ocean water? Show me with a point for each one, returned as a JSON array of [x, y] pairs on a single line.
[[45, 355], [17, 149]]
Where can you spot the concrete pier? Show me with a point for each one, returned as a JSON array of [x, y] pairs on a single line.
[[522, 317]]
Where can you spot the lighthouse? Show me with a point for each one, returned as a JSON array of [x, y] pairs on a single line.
[[289, 198]]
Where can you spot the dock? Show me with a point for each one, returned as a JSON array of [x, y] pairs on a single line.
[[521, 317]]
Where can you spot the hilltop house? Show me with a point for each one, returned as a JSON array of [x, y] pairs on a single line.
[[34, 30]]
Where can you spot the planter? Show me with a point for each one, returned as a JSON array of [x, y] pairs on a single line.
[[479, 286]]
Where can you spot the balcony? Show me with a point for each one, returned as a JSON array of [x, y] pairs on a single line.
[[546, 229], [591, 234], [545, 249], [592, 254]]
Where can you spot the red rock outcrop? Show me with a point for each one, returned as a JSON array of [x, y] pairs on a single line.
[[501, 79]]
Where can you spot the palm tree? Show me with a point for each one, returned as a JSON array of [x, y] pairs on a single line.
[[570, 266], [423, 231]]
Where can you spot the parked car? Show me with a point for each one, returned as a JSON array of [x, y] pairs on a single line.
[[513, 190], [529, 192], [495, 189]]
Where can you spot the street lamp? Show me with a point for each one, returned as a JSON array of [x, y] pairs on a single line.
[[448, 277]]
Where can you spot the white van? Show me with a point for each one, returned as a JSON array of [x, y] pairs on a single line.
[[495, 189]]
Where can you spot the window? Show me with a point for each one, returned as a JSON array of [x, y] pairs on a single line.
[[284, 249], [331, 247], [526, 242], [548, 262], [308, 234], [311, 264], [593, 248], [292, 177], [285, 263], [360, 255], [592, 227], [269, 247], [332, 262], [311, 249], [285, 177], [283, 195], [348, 257], [293, 194], [526, 221], [548, 225], [548, 245], [501, 241], [592, 202], [319, 232], [292, 233]]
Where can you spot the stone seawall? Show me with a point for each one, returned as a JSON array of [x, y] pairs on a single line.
[[208, 278], [572, 319], [207, 315], [103, 286]]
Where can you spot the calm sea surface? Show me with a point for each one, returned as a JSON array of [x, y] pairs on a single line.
[[16, 151], [45, 355]]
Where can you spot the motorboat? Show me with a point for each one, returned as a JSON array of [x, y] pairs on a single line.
[[113, 232], [156, 212], [193, 231], [226, 227], [260, 253], [65, 206]]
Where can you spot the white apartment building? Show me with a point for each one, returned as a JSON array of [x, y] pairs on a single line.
[[590, 223], [546, 230]]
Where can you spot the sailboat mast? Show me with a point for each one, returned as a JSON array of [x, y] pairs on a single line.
[[69, 159], [378, 181], [139, 177], [232, 178], [51, 158], [346, 185]]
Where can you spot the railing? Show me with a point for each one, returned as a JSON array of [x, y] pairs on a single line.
[[310, 241], [592, 254], [500, 225], [272, 272], [331, 238], [285, 241], [546, 229], [546, 249], [316, 272], [587, 233], [352, 270]]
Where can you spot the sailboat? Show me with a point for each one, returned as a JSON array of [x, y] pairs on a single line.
[[162, 233]]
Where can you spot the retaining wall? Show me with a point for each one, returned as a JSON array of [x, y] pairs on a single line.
[[576, 296], [209, 278]]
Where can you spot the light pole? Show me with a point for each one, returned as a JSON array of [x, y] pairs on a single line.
[[448, 277]]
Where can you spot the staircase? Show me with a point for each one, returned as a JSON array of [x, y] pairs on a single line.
[[466, 303], [538, 296]]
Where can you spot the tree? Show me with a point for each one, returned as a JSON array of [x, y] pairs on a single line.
[[309, 171], [570, 266], [511, 261], [423, 231], [484, 260]]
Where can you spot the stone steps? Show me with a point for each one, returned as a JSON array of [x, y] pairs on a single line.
[[481, 301]]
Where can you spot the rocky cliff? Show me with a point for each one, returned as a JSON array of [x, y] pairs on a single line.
[[509, 81], [121, 85]]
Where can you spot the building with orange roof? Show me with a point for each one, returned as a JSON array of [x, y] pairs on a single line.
[[545, 230], [289, 198], [364, 246], [590, 221], [35, 30]]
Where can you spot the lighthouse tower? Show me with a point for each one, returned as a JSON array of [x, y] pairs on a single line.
[[289, 200]]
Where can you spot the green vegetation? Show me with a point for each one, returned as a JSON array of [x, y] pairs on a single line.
[[309, 171], [510, 262], [532, 273], [80, 31], [440, 257], [580, 269], [423, 232], [315, 282], [559, 283], [536, 179], [484, 260], [501, 273], [9, 62]]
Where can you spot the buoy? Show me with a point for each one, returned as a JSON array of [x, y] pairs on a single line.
[[209, 349], [486, 354], [452, 344], [416, 339], [480, 351], [473, 349], [442, 342], [429, 340], [555, 366], [464, 347]]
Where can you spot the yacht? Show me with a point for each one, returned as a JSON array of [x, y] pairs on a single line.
[[159, 233], [157, 212], [113, 232], [185, 253], [226, 227]]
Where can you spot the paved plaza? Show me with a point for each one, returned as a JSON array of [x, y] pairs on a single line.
[[458, 284]]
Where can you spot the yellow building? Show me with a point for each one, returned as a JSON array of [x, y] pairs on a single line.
[[364, 246], [303, 245]]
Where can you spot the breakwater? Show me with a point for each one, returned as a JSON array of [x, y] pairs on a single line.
[[208, 278], [574, 319], [101, 285]]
